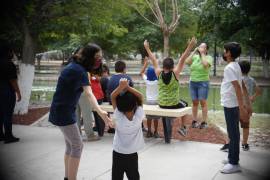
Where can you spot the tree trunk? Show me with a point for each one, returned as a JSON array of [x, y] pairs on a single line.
[[166, 44], [26, 71]]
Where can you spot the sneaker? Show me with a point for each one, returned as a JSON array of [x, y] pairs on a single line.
[[149, 134], [195, 124], [111, 130], [203, 125], [245, 147], [230, 168], [11, 139], [95, 128], [183, 131], [225, 161], [156, 135], [225, 148], [144, 129], [93, 138]]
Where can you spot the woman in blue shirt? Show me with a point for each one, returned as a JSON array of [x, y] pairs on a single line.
[[72, 81]]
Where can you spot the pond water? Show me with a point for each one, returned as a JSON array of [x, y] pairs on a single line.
[[42, 92]]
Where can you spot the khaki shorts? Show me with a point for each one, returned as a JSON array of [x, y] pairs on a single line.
[[245, 124]]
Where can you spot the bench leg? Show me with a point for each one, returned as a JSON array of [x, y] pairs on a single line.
[[167, 127]]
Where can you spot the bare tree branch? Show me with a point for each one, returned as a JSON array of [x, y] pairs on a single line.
[[134, 6], [150, 6], [159, 13]]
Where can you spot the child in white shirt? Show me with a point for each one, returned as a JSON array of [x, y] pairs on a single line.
[[233, 92], [128, 138]]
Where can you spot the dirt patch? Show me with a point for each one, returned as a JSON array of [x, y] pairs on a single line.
[[212, 134], [32, 116]]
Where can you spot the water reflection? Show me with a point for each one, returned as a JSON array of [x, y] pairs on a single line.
[[42, 92]]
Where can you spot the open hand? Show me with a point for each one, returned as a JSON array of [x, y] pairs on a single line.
[[123, 83], [146, 44], [105, 117]]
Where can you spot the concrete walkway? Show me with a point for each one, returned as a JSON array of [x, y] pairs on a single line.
[[39, 156]]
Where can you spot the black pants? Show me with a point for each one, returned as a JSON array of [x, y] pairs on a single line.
[[7, 104], [125, 163], [100, 125], [232, 122], [167, 128]]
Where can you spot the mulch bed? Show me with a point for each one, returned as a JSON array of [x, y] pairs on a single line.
[[33, 115], [211, 135]]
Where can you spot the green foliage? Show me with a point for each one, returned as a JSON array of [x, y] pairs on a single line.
[[232, 20]]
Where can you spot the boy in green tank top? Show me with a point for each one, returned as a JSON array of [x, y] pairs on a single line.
[[168, 86]]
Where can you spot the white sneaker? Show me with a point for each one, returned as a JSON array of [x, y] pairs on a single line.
[[225, 161], [230, 168]]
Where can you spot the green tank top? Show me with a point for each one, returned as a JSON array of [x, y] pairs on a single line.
[[168, 94]]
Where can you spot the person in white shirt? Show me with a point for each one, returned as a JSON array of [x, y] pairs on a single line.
[[128, 138], [151, 83], [233, 93]]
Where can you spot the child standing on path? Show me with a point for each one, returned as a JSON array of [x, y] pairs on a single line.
[[168, 86], [253, 92], [128, 138], [151, 82], [232, 99]]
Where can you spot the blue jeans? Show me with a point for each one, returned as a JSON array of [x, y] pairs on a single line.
[[199, 90], [232, 117]]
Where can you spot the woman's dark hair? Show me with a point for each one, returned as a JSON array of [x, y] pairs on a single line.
[[245, 66], [87, 56], [168, 63], [234, 48], [105, 68], [120, 66], [127, 102]]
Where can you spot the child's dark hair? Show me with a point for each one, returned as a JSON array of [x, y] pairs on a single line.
[[120, 66], [87, 56], [127, 102], [245, 66], [234, 48], [168, 63], [105, 68]]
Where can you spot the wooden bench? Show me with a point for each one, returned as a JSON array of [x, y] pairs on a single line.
[[155, 110]]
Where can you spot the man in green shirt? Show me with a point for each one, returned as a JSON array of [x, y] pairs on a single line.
[[200, 65]]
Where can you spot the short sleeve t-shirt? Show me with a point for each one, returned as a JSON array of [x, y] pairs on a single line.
[[68, 91], [250, 84], [232, 72], [114, 82], [151, 89], [197, 71], [128, 136]]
